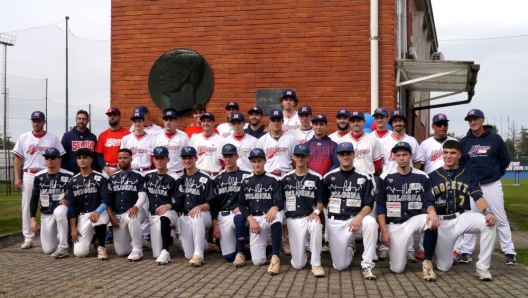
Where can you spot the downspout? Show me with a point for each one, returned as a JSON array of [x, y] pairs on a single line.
[[374, 56]]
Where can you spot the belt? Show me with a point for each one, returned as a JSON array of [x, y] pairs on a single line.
[[449, 216], [185, 213], [257, 213], [278, 174], [297, 216], [142, 169], [226, 213], [112, 165], [32, 171], [341, 217], [83, 213]]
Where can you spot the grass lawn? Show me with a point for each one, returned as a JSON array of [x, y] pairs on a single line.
[[10, 213], [516, 202], [522, 255]]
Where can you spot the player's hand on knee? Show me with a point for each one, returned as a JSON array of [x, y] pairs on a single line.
[[355, 224], [63, 202], [114, 221], [432, 221], [385, 238], [94, 216], [254, 227], [162, 209], [132, 212], [216, 232], [272, 213], [75, 234], [490, 219], [195, 212], [315, 217], [236, 210]]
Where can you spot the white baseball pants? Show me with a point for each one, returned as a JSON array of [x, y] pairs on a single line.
[[298, 229], [86, 228], [155, 230], [54, 229], [258, 242], [192, 234], [228, 241], [27, 189], [127, 237]]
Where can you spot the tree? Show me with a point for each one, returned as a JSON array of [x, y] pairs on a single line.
[[510, 146], [10, 145], [523, 141], [491, 127]]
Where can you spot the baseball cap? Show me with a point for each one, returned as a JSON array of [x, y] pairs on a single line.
[[397, 113], [256, 110], [301, 150], [381, 111], [142, 109], [257, 152], [188, 151], [345, 147], [38, 115], [343, 112], [440, 117], [229, 149], [207, 115], [160, 152], [304, 110], [137, 115], [170, 114], [289, 93], [401, 145], [274, 114], [320, 117], [237, 117], [232, 104], [474, 113], [357, 114], [113, 111], [51, 151]]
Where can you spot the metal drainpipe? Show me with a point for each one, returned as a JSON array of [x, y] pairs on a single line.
[[374, 56]]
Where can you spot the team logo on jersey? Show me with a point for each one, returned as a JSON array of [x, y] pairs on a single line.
[[436, 154], [41, 178], [247, 180], [112, 142], [76, 145], [332, 178], [390, 180], [205, 150], [279, 151], [361, 180], [358, 153], [287, 178], [479, 150], [97, 178], [35, 149], [415, 186]]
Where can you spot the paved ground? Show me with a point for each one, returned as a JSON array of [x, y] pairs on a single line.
[[30, 273]]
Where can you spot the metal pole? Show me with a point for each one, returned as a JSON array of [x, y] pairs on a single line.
[[89, 113], [4, 139], [46, 103], [67, 18]]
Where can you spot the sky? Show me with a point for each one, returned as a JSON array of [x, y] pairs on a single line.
[[469, 30]]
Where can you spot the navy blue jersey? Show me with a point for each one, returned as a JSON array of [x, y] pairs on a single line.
[[259, 193], [123, 189], [162, 190], [198, 189], [49, 190], [302, 194], [486, 155], [74, 140], [454, 189], [347, 192], [401, 197], [227, 189], [85, 194]]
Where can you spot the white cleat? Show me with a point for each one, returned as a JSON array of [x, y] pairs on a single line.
[[135, 256], [163, 258]]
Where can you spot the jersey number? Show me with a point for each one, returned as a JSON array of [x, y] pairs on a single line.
[[461, 200]]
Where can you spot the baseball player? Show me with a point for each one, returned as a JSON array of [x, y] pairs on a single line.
[[255, 129], [403, 193], [196, 219], [173, 139], [139, 142], [303, 190], [260, 202], [87, 205], [79, 137], [343, 125], [242, 141], [229, 225], [225, 129], [161, 188], [486, 155], [305, 132], [109, 142], [196, 127], [208, 145], [381, 118], [49, 188], [289, 101], [126, 212], [455, 188], [30, 146], [148, 126], [350, 201]]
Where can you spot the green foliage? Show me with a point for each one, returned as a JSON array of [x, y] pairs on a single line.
[[515, 202]]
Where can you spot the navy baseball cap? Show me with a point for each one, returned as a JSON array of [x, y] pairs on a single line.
[[256, 110], [142, 109], [440, 117], [319, 117], [51, 151], [188, 151], [304, 110], [301, 150], [289, 93], [274, 114], [160, 152], [237, 117], [232, 104], [401, 145], [169, 114], [357, 114], [38, 115], [474, 113], [137, 115], [381, 111], [345, 147], [207, 115], [229, 149], [111, 111], [343, 112], [397, 113], [257, 152]]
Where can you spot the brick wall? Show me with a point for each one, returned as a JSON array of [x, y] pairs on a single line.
[[321, 49]]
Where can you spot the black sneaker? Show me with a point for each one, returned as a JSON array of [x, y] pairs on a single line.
[[510, 260], [465, 258]]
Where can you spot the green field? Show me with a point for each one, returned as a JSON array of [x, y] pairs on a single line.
[[10, 214]]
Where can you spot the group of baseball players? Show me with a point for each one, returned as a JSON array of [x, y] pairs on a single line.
[[284, 187]]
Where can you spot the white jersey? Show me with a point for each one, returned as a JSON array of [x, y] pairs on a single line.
[[31, 148], [153, 129], [278, 152], [367, 150], [336, 137], [209, 151], [302, 136], [174, 144], [388, 142], [432, 151], [225, 129], [141, 149], [244, 146], [291, 122]]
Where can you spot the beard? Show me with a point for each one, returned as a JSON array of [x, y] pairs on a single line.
[[113, 123]]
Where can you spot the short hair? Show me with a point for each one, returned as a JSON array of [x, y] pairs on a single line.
[[125, 150], [83, 112], [452, 144], [84, 152], [198, 108], [185, 60]]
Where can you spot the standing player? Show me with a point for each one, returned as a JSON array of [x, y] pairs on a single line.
[[87, 205], [242, 141], [79, 137], [208, 144], [148, 126], [126, 212], [381, 118], [289, 101], [305, 132], [30, 146], [139, 142], [198, 110], [303, 190], [255, 129], [455, 188], [350, 201], [49, 188], [229, 225], [261, 202], [224, 129], [343, 125], [403, 193], [109, 142], [486, 155]]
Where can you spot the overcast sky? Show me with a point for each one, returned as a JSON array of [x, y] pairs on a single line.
[[39, 53]]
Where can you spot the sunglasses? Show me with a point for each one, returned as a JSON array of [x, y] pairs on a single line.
[[440, 124], [50, 157]]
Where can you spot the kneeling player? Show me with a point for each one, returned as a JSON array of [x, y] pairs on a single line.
[[403, 192], [454, 187], [261, 202]]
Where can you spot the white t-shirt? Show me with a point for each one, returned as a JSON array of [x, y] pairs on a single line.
[[174, 144], [388, 142], [141, 149], [366, 150], [244, 146], [291, 122], [432, 151], [31, 148], [278, 152], [209, 150]]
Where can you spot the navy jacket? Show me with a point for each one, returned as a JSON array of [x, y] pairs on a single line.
[[74, 140], [256, 133]]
